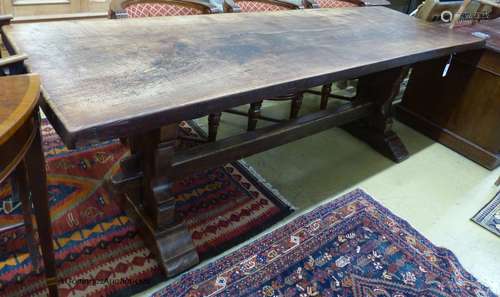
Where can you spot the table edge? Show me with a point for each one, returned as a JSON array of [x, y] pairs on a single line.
[[73, 136]]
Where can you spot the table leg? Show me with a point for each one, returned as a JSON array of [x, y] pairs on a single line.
[[213, 126], [295, 105], [253, 115], [380, 88], [37, 180], [326, 90], [20, 192], [153, 208]]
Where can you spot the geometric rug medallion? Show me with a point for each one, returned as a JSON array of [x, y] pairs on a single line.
[[349, 247], [98, 249]]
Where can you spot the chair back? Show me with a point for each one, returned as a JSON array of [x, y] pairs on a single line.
[[344, 3], [335, 4], [259, 5], [156, 8]]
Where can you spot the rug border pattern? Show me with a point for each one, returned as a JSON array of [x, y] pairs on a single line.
[[202, 274]]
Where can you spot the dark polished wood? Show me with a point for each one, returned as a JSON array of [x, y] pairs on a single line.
[[462, 109], [21, 158], [202, 73], [381, 89], [119, 90], [213, 125], [241, 146]]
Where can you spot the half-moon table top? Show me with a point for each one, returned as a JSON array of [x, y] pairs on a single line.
[[18, 97], [110, 78]]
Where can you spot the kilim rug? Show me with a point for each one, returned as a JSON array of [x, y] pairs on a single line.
[[352, 246], [489, 216], [98, 250]]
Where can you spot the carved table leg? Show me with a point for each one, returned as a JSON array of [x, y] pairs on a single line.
[[213, 126], [380, 88], [296, 104], [253, 115], [325, 95], [153, 207]]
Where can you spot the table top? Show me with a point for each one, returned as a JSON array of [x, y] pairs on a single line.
[[490, 27], [109, 78], [18, 98]]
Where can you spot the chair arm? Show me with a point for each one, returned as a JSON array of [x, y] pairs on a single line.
[[314, 4], [230, 6], [311, 4], [14, 64], [205, 3], [295, 5], [12, 60], [5, 19]]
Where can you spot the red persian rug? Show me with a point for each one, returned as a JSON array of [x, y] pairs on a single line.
[[98, 250], [350, 247]]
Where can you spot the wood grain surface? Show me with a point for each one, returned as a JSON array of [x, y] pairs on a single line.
[[111, 78], [490, 27], [18, 98]]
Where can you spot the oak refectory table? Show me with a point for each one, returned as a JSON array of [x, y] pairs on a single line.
[[138, 78]]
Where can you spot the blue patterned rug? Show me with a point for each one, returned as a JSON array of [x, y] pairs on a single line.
[[489, 216], [352, 246]]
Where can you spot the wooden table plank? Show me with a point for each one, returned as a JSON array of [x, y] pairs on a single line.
[[109, 78], [490, 27]]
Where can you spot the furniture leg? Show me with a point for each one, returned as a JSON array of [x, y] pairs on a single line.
[[296, 104], [376, 130], [37, 180], [253, 115], [20, 193], [213, 126], [154, 209], [325, 95]]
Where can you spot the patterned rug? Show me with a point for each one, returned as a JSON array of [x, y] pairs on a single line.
[[489, 216], [98, 250], [352, 246]]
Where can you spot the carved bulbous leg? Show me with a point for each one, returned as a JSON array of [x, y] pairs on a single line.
[[146, 180]]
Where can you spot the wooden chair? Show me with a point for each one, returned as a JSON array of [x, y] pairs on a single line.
[[254, 112], [22, 160], [342, 3], [157, 8], [326, 90], [259, 5]]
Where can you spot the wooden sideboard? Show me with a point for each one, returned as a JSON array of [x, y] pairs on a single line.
[[462, 109]]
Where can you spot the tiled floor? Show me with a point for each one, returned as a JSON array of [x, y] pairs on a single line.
[[436, 190]]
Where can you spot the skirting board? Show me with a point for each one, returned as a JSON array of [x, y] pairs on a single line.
[[448, 138]]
